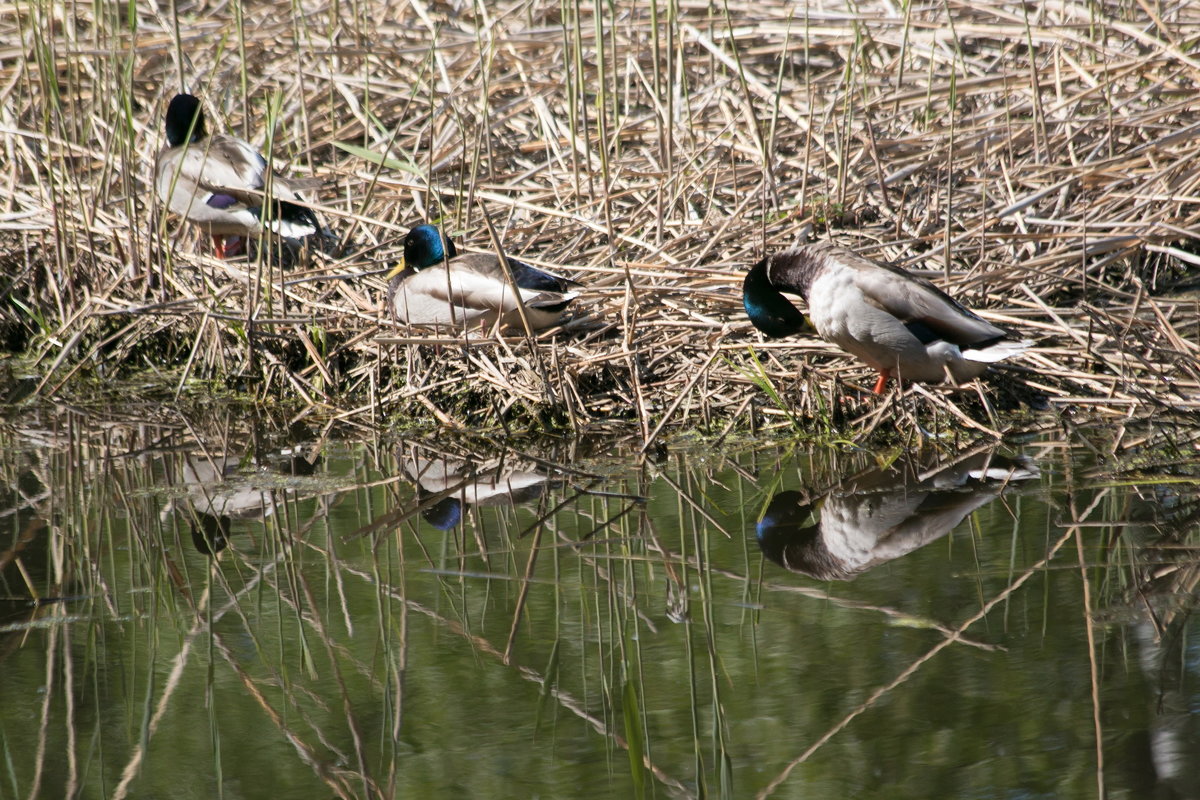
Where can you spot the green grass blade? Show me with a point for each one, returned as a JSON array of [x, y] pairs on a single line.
[[379, 158]]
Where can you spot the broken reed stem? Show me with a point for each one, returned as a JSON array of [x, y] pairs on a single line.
[[653, 153]]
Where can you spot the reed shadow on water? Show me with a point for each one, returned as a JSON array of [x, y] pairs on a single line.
[[392, 616]]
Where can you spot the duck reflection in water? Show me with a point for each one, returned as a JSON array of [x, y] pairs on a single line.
[[447, 486], [881, 514], [220, 490]]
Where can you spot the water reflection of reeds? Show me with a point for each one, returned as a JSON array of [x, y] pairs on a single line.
[[620, 619]]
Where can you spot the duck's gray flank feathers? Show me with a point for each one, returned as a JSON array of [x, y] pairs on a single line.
[[898, 323]]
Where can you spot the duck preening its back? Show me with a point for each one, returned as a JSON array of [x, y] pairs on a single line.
[[898, 323]]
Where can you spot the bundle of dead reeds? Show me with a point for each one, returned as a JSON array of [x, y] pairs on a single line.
[[1036, 161]]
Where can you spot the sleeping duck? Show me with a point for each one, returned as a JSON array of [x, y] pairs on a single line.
[[434, 285], [218, 182], [899, 324]]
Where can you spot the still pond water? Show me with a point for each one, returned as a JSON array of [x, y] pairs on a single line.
[[199, 609]]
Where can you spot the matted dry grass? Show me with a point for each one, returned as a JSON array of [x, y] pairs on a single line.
[[1037, 161]]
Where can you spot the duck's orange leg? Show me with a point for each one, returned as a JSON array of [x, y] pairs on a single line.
[[881, 384], [227, 246]]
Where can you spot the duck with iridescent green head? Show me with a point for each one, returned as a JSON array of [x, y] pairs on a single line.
[[434, 285], [898, 323]]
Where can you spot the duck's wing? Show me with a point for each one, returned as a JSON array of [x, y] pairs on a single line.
[[205, 180], [531, 277], [220, 182], [879, 529], [484, 274], [181, 187], [221, 161], [929, 313], [979, 467], [486, 483], [240, 172]]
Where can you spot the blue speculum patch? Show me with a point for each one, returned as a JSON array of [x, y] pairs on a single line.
[[221, 200]]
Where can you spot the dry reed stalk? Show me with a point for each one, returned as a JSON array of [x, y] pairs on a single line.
[[1036, 163]]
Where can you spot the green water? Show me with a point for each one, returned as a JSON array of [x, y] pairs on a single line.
[[367, 634]]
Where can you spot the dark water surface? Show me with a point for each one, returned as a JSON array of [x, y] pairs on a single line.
[[210, 610]]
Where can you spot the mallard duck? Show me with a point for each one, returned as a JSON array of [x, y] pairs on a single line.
[[881, 514], [898, 323], [434, 285], [217, 182]]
